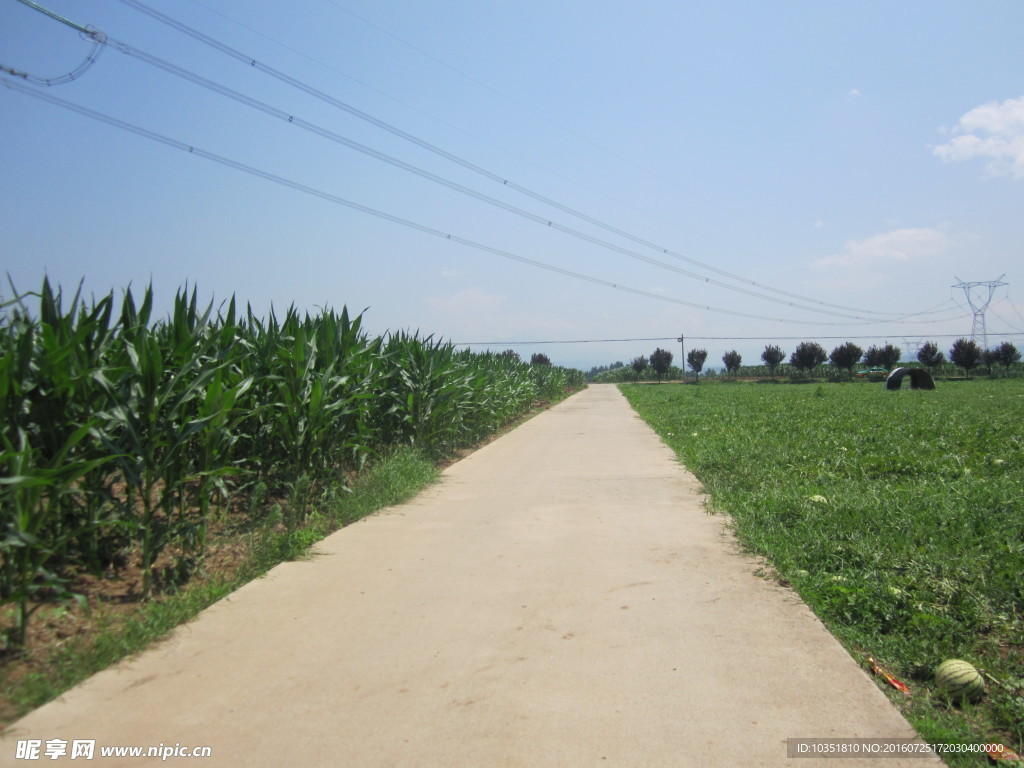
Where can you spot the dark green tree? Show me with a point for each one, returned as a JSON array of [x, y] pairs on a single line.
[[511, 354], [846, 356], [661, 360], [695, 360], [989, 357], [732, 361], [772, 357], [639, 365], [808, 356], [1008, 355], [891, 356], [539, 358], [930, 357], [966, 354], [883, 357]]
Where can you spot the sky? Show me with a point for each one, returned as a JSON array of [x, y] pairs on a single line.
[[736, 173]]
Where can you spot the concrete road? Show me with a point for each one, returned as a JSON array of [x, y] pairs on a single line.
[[561, 598]]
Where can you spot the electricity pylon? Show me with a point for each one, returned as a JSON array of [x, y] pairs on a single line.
[[913, 347], [975, 295]]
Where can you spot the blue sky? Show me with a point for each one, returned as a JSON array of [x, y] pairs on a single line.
[[863, 155]]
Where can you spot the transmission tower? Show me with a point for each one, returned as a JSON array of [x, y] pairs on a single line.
[[979, 299], [913, 347]]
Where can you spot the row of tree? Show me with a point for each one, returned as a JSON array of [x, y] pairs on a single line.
[[537, 358], [964, 353]]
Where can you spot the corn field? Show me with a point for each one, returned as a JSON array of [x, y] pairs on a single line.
[[124, 434]]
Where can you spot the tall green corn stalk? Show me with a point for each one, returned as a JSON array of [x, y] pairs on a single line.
[[356, 359], [48, 469], [227, 407], [147, 426], [426, 397], [318, 375], [32, 494], [553, 382], [130, 429]]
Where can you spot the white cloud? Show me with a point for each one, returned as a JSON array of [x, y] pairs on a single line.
[[993, 131], [886, 249], [853, 93]]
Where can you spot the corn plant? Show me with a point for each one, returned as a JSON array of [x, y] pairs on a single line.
[[314, 378], [44, 450], [424, 393], [147, 427], [123, 434], [33, 545]]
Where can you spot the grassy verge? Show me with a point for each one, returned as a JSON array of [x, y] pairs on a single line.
[[897, 516], [277, 538]]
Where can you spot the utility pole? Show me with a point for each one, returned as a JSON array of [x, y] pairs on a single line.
[[979, 302], [682, 353]]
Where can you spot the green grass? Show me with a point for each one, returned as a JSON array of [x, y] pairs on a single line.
[[897, 516]]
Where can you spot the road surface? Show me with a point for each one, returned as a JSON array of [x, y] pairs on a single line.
[[561, 598]]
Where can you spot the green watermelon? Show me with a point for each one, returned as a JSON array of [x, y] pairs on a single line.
[[959, 680]]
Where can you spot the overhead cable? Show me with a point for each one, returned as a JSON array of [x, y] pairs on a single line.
[[93, 35], [1004, 320], [57, 17], [1017, 311], [715, 338], [497, 178], [543, 117], [326, 133], [329, 197], [475, 136], [565, 341]]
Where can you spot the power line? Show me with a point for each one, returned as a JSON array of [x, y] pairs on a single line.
[[543, 117], [249, 101], [1017, 311], [329, 197], [57, 17], [408, 167], [89, 33], [378, 91], [344, 141], [306, 88], [1006, 322], [714, 338], [485, 141], [570, 341], [74, 74]]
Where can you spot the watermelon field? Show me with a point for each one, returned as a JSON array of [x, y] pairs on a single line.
[[897, 516], [127, 438]]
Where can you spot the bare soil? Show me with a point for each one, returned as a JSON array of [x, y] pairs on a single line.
[[107, 600]]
